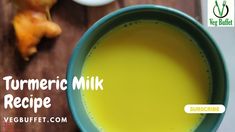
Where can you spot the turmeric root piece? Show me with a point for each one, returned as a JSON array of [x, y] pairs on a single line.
[[32, 22], [36, 5], [30, 26]]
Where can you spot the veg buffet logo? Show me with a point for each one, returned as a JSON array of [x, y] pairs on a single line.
[[221, 13]]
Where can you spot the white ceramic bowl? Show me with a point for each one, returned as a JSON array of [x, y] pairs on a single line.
[[93, 2]]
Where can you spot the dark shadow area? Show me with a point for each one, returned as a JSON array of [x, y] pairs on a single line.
[[73, 13]]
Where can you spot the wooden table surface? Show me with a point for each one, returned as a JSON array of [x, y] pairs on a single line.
[[53, 55]]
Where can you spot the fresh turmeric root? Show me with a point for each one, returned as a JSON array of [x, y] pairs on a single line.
[[31, 23]]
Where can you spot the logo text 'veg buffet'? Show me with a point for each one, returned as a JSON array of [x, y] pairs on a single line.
[[220, 13]]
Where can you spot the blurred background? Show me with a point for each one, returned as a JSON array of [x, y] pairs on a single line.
[[53, 56]]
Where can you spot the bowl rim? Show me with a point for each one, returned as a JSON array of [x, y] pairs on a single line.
[[85, 36]]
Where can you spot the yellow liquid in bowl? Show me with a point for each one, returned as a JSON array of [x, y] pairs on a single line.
[[151, 70]]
